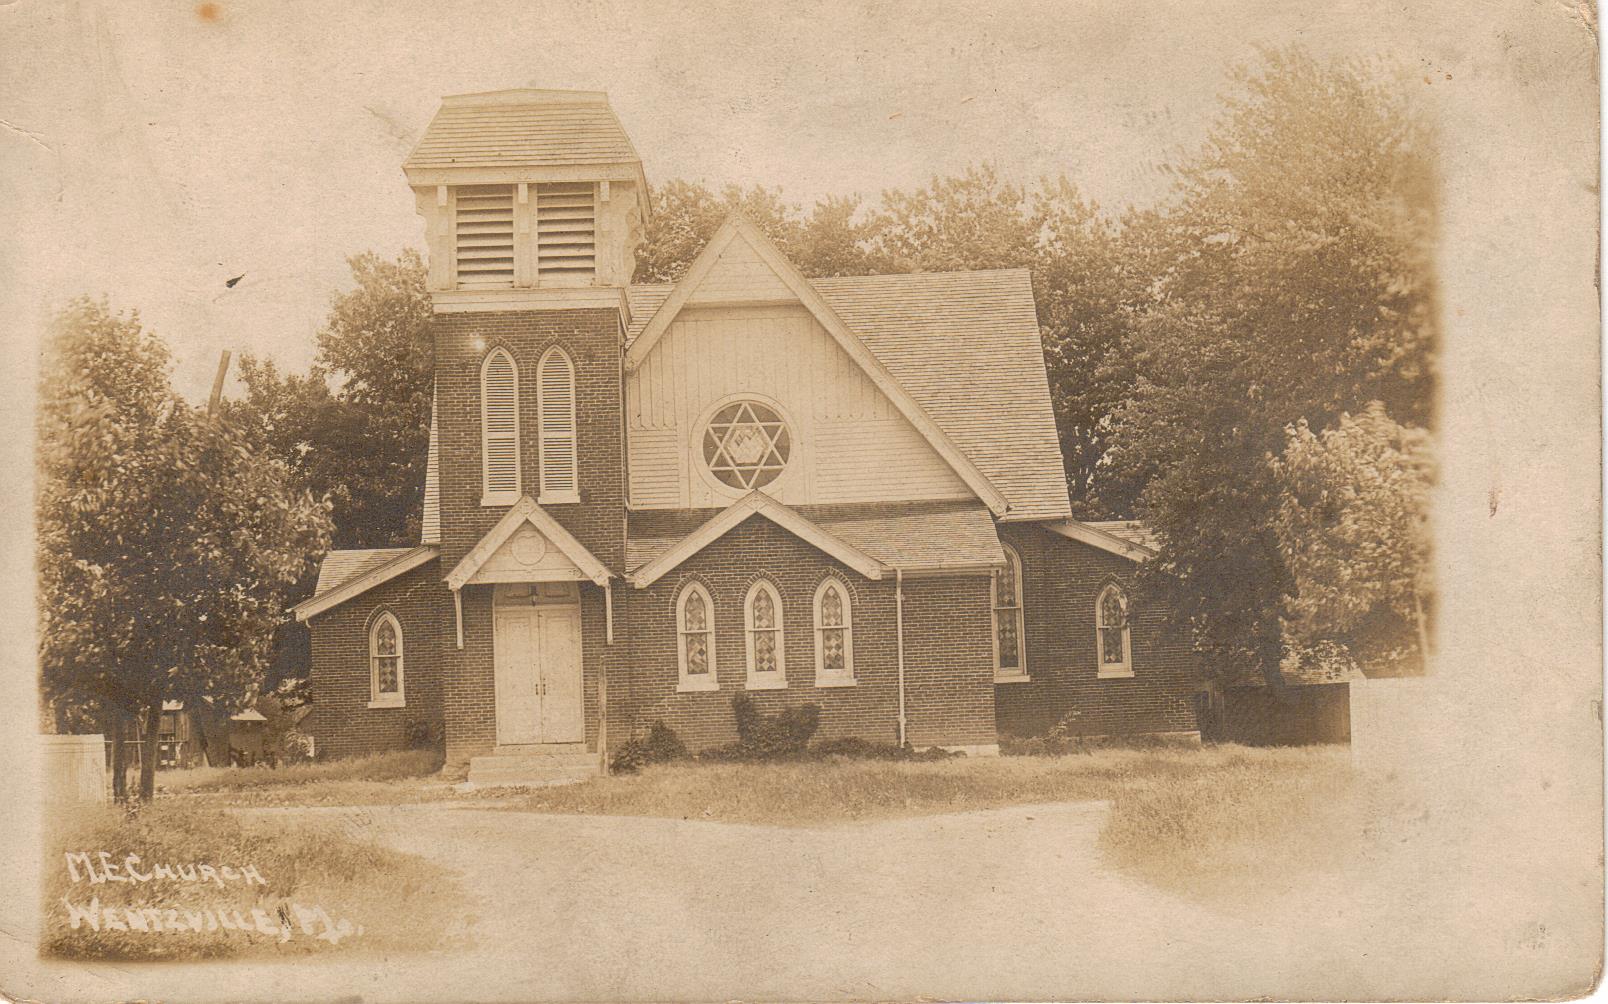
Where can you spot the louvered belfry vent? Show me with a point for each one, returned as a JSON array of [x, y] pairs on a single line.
[[556, 403], [566, 231], [484, 221], [499, 416]]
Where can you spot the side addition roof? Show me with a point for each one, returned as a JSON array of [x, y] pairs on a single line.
[[347, 574], [1125, 538], [965, 346]]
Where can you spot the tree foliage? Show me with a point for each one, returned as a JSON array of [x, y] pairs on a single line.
[[167, 544], [355, 429], [1353, 529], [1289, 281]]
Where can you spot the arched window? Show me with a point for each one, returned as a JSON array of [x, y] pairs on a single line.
[[1010, 656], [385, 662], [499, 429], [834, 635], [1114, 650], [695, 638], [762, 617], [556, 402]]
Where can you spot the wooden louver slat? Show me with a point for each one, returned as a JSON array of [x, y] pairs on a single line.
[[484, 233], [566, 230], [499, 415], [556, 405]]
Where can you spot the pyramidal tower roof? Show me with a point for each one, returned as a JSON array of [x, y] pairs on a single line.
[[523, 128]]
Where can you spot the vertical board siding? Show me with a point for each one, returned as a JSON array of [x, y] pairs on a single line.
[[850, 444], [740, 275]]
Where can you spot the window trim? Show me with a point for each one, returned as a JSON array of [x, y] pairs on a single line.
[[1116, 670], [687, 683], [846, 677], [777, 678], [545, 495], [377, 699], [1019, 673], [488, 495]]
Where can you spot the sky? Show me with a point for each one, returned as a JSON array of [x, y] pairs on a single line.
[[165, 148]]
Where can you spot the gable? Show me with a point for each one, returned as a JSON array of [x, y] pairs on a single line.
[[527, 556], [739, 279], [849, 442], [740, 275]]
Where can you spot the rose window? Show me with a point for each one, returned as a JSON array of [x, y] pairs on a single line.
[[746, 445]]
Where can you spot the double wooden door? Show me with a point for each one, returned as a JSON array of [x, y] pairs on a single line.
[[538, 669]]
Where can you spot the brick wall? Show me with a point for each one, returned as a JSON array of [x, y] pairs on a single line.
[[593, 339], [341, 721], [1061, 580], [944, 660]]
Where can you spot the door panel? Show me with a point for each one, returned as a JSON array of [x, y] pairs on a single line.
[[517, 676], [559, 637]]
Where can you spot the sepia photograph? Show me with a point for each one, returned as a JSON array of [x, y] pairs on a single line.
[[824, 500]]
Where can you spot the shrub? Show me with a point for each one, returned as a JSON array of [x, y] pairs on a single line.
[[660, 745], [423, 734], [784, 735]]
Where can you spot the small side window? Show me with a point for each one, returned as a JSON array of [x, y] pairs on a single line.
[[385, 663]]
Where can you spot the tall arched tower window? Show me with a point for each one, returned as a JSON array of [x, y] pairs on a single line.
[[1114, 648], [1010, 653], [499, 429], [556, 403]]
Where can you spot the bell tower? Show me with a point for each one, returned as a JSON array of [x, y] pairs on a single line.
[[526, 193], [534, 203]]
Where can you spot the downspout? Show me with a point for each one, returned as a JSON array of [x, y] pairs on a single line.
[[898, 620]]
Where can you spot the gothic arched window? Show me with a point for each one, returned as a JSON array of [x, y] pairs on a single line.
[[1113, 647]]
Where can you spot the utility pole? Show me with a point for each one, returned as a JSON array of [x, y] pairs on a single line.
[[217, 384]]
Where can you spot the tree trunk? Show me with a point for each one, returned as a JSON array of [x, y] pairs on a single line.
[[119, 758], [153, 726]]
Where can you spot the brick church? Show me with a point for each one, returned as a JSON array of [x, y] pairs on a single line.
[[644, 500]]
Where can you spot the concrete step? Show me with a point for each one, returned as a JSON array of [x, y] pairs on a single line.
[[554, 763]]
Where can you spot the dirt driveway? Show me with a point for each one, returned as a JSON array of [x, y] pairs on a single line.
[[1010, 903]]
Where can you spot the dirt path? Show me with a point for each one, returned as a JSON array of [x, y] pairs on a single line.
[[1003, 904]]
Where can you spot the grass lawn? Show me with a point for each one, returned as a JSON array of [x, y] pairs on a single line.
[[187, 894], [382, 779], [1214, 821]]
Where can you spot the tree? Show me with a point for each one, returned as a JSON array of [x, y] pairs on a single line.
[[686, 215], [1353, 528], [167, 545], [355, 429], [1290, 279]]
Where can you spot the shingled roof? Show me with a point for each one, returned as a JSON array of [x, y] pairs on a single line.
[[523, 128], [912, 536], [966, 346]]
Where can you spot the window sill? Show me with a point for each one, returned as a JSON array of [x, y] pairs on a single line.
[[1012, 678], [388, 702], [763, 683], [840, 681], [497, 501], [552, 498], [1114, 674], [697, 687]]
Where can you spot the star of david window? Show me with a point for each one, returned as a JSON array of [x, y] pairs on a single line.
[[746, 445]]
